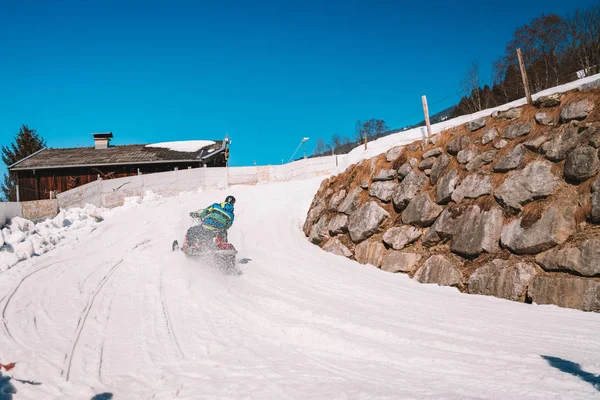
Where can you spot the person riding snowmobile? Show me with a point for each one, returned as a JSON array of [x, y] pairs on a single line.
[[216, 220]]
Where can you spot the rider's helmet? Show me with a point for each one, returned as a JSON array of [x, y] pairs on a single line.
[[230, 200]]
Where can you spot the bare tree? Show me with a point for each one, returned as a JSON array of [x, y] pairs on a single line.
[[470, 85], [373, 128], [358, 134], [584, 31], [542, 41], [320, 147]]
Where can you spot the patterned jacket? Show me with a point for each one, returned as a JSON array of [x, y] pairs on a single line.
[[218, 216]]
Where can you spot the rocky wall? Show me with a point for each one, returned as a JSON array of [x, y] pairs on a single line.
[[506, 206]]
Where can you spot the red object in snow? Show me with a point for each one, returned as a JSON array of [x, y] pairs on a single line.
[[8, 367]]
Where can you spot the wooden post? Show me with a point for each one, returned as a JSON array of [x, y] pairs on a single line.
[[524, 75], [365, 140], [18, 196], [426, 112]]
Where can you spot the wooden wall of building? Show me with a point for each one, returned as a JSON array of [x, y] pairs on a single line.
[[38, 185]]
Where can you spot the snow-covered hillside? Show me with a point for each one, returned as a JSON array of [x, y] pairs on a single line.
[[115, 311]]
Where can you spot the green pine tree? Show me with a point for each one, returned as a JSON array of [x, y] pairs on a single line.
[[25, 143]]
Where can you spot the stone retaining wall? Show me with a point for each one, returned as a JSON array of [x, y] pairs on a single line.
[[506, 206]]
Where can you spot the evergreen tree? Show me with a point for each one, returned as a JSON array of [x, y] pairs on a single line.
[[25, 143]]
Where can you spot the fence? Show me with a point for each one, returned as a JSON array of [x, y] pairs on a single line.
[[112, 193]]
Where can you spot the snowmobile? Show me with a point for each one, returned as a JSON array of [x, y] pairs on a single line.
[[214, 251]]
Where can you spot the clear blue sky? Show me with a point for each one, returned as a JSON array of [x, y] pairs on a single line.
[[268, 73]]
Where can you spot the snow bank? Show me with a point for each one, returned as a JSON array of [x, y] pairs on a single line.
[[383, 144], [188, 146], [22, 239]]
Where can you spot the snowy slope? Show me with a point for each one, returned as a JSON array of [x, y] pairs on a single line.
[[116, 311]]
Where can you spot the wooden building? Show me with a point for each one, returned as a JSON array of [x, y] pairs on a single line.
[[51, 171]]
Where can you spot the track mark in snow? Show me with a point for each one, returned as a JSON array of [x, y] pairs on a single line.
[[140, 244], [82, 319], [4, 321], [168, 317]]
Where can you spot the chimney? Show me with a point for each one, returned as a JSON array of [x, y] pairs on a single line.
[[101, 140]]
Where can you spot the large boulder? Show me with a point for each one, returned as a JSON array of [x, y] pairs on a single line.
[[564, 139], [399, 237], [393, 153], [438, 269], [397, 261], [385, 175], [507, 115], [560, 259], [404, 170], [481, 160], [478, 123], [565, 291], [593, 136], [365, 221], [512, 160], [442, 230], [502, 279], [472, 187], [446, 186], [369, 253], [465, 156], [408, 188], [383, 190], [543, 119], [554, 227], [314, 213], [351, 202], [336, 247], [458, 144], [477, 232], [338, 224], [590, 258], [534, 181], [489, 135], [578, 110], [320, 231], [500, 144], [595, 201], [536, 143], [438, 168], [426, 164], [433, 152], [336, 200], [421, 211], [515, 130], [582, 163], [584, 260], [552, 100]]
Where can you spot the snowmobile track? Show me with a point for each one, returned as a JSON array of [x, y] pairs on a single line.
[[83, 318], [167, 316], [7, 303]]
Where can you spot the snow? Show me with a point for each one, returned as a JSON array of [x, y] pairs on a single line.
[[187, 146], [113, 310], [22, 239], [385, 143]]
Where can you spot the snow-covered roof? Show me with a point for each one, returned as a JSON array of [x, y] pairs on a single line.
[[188, 146]]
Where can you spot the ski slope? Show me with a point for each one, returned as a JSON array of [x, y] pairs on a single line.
[[115, 311]]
